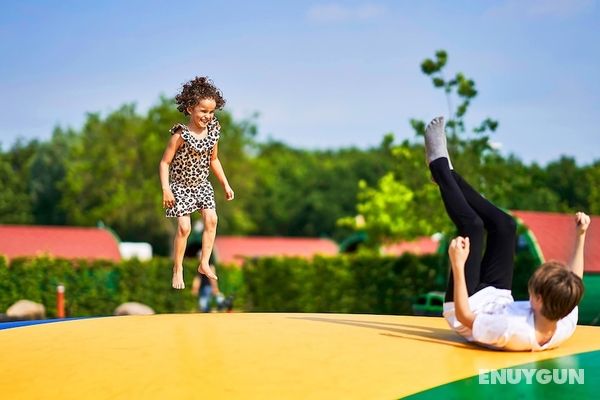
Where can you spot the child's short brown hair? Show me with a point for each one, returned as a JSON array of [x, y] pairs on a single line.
[[201, 87], [560, 289]]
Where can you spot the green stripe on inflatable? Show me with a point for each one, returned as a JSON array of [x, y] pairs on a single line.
[[491, 387]]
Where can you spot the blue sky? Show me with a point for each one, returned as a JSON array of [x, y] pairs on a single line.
[[321, 74]]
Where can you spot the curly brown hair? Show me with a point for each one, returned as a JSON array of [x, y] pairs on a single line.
[[201, 87]]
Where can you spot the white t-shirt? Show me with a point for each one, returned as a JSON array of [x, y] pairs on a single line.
[[503, 323]]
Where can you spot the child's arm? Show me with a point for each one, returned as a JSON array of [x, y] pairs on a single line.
[[219, 173], [163, 169], [459, 251], [583, 222]]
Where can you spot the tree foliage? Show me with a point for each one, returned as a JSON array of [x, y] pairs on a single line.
[[107, 171], [405, 203]]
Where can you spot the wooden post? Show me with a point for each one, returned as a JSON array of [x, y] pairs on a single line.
[[60, 301]]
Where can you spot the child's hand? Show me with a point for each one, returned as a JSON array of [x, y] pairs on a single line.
[[168, 198], [229, 195], [583, 222], [459, 251]]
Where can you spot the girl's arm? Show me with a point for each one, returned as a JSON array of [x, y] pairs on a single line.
[[459, 251], [163, 169], [583, 222], [217, 168]]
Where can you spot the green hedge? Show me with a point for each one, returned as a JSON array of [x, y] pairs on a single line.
[[341, 284], [350, 284], [98, 287], [354, 283]]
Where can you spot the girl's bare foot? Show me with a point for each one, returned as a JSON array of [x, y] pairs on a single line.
[[178, 278], [205, 269]]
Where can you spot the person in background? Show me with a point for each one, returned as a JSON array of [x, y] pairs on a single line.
[[207, 289]]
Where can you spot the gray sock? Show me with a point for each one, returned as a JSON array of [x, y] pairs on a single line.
[[435, 141]]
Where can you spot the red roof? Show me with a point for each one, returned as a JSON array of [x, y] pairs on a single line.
[[58, 241], [423, 245], [555, 234], [233, 249]]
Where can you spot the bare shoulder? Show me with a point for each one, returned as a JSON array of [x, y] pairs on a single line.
[[176, 139]]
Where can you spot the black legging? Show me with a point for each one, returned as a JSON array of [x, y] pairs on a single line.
[[472, 214]]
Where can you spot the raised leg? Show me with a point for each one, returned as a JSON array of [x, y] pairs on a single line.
[[497, 265], [467, 222]]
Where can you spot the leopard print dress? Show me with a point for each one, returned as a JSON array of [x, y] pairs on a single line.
[[189, 170]]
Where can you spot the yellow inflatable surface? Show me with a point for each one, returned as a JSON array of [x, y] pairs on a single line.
[[247, 356]]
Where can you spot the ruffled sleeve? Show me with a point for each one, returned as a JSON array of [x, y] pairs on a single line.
[[176, 128], [214, 128], [214, 131], [187, 137]]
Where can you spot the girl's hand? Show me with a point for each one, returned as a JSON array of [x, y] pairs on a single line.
[[168, 198], [229, 195], [459, 251], [583, 222]]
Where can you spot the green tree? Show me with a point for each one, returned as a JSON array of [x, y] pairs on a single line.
[[406, 204], [565, 178], [109, 177], [15, 207], [46, 175], [515, 186], [468, 147], [236, 146], [15, 202], [108, 171], [303, 193], [592, 183], [458, 89]]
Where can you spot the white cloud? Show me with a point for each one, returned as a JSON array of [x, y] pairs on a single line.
[[334, 12], [541, 8]]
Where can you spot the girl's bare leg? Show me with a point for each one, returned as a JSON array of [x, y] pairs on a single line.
[[209, 217], [184, 227]]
